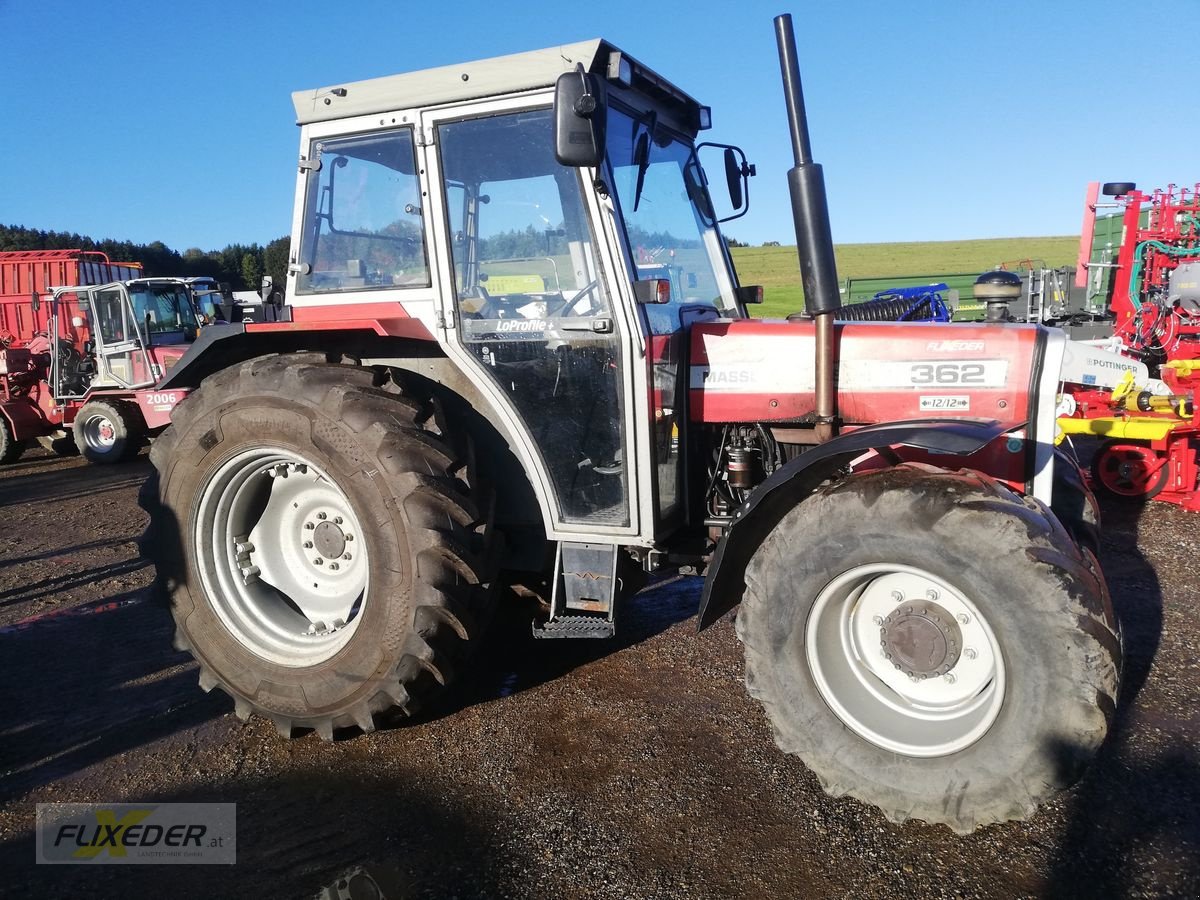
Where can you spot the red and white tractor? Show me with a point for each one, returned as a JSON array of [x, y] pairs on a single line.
[[515, 350]]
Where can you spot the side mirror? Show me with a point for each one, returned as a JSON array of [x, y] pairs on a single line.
[[738, 173], [733, 179], [580, 119]]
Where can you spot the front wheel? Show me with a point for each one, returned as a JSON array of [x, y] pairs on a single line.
[[931, 643], [107, 431], [323, 542]]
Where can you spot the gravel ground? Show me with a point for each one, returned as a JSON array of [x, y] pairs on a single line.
[[633, 768]]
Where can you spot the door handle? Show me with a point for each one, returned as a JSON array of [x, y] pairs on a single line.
[[596, 326]]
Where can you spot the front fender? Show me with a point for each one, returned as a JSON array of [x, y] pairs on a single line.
[[724, 580]]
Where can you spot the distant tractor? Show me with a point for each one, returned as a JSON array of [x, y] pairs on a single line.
[[488, 374], [79, 370]]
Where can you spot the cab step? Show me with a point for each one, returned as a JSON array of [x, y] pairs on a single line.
[[575, 627], [584, 599]]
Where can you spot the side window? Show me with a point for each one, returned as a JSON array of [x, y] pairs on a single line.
[[110, 310], [362, 216]]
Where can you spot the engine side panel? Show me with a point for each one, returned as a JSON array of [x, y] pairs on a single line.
[[762, 371]]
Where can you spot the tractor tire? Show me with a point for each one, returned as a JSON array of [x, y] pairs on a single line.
[[374, 583], [933, 644], [61, 443], [10, 448], [1075, 505], [108, 431]]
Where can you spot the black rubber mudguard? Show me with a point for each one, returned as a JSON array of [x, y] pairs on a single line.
[[724, 582]]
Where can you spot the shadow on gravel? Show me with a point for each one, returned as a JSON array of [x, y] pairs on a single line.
[[512, 660], [1134, 821], [298, 835], [70, 581], [64, 552], [75, 482], [77, 689]]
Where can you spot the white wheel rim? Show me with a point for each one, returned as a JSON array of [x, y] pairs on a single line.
[[936, 707], [99, 432], [282, 556]]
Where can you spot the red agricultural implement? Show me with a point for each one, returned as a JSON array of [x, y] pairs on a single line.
[[1147, 418]]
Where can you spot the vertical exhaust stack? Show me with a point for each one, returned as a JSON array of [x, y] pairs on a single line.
[[814, 242]]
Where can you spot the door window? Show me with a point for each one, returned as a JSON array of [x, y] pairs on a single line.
[[531, 304]]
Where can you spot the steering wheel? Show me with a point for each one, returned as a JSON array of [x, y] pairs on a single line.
[[585, 291]]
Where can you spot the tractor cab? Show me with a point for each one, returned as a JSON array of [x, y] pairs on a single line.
[[117, 336], [560, 286]]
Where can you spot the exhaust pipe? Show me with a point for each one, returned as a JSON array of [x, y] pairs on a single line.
[[814, 242]]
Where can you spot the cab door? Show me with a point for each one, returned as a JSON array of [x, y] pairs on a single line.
[[119, 339], [528, 308]]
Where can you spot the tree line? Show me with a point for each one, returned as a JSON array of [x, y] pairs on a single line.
[[241, 266]]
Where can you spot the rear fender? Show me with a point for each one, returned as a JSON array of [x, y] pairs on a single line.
[[724, 581]]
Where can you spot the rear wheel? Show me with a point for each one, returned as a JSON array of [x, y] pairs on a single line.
[[322, 541], [1132, 470], [931, 643], [107, 431], [10, 448]]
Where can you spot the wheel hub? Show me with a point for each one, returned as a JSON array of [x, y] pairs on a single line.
[[922, 639], [330, 540]]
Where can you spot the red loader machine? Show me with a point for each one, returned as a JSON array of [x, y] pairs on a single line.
[[78, 367], [476, 384], [1147, 417]]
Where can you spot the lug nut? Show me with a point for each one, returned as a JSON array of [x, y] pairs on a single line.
[[897, 596], [951, 678], [308, 545], [932, 594], [243, 547], [334, 566], [337, 520], [309, 526], [964, 619], [346, 556], [318, 561], [349, 538], [322, 516], [970, 653], [878, 620]]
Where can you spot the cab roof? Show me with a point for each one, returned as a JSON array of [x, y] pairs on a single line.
[[483, 78]]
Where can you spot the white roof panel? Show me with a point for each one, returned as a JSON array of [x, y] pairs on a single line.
[[447, 84]]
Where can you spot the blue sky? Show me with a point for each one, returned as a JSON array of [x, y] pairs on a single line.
[[934, 121]]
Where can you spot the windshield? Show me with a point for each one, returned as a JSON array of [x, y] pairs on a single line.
[[668, 235], [167, 307]]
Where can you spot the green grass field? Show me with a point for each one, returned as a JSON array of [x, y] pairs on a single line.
[[777, 269]]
